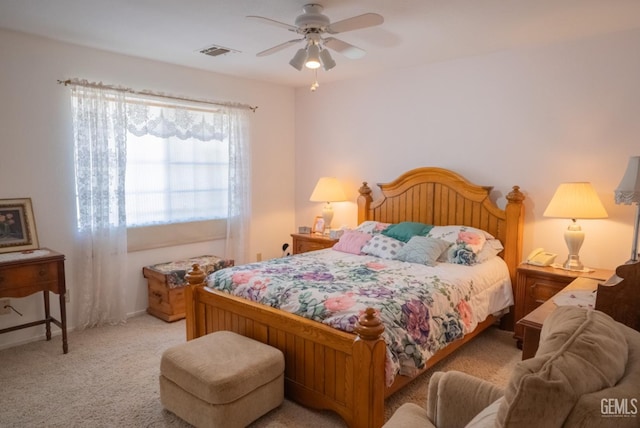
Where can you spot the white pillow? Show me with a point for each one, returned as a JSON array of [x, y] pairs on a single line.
[[487, 417], [490, 250], [383, 247]]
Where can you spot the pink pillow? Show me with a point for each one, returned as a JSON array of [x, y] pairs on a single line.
[[352, 241]]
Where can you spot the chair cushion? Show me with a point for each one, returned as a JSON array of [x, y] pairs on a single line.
[[409, 415], [581, 351], [487, 417]]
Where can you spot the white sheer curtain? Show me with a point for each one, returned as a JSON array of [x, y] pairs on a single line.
[[238, 220], [99, 128], [102, 115]]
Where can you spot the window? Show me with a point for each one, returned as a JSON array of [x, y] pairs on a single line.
[[174, 181], [155, 170], [177, 174]]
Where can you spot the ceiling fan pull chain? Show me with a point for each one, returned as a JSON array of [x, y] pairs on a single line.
[[315, 84]]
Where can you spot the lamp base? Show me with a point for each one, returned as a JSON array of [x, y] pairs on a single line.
[[327, 216], [573, 263], [574, 237]]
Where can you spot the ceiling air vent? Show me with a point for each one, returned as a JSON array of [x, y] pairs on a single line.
[[214, 50]]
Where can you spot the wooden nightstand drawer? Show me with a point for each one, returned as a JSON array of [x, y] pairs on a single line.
[[539, 290]]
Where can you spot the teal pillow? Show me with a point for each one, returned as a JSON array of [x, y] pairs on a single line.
[[406, 230], [422, 250]]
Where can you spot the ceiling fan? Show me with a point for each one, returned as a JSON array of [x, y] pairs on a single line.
[[312, 25]]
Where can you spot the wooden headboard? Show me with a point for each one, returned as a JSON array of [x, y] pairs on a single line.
[[441, 197]]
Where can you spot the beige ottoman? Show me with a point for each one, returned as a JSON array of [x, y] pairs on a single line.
[[221, 380]]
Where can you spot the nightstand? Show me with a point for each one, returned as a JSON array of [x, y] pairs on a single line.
[[536, 284], [303, 242]]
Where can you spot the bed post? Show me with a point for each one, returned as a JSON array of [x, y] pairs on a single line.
[[195, 278], [369, 353], [513, 240], [364, 202], [515, 223]]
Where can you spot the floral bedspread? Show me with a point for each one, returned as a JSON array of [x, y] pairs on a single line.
[[422, 308]]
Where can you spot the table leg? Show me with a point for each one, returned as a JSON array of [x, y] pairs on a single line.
[[63, 321], [47, 313], [530, 343]]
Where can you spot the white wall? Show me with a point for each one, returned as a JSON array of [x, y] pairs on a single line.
[[534, 117], [37, 152]]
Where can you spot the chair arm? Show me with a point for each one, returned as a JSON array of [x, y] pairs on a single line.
[[455, 398]]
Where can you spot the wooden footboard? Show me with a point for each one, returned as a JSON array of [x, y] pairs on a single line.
[[324, 368]]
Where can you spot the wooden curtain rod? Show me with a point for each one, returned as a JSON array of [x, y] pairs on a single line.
[[84, 83]]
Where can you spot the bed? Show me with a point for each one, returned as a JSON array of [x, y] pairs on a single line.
[[327, 368]]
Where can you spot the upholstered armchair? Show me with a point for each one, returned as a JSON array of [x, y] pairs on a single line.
[[586, 373]]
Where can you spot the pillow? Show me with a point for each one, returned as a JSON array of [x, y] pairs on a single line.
[[474, 238], [352, 242], [467, 242], [372, 227], [423, 250], [490, 250], [383, 247], [581, 351], [406, 230]]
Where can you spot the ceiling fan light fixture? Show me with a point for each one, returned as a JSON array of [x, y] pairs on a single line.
[[325, 58], [313, 56], [299, 59]]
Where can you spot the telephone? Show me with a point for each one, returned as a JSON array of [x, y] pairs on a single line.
[[540, 257]]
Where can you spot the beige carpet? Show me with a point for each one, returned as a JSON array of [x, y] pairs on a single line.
[[109, 378]]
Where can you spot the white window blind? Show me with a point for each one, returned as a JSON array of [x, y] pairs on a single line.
[[173, 181], [177, 164]]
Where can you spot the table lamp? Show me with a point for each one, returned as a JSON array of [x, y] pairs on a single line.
[[627, 193], [575, 201], [328, 189]]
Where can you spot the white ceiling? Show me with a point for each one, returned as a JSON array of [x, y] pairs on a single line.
[[414, 31]]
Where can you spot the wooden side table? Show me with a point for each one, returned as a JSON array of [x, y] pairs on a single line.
[[43, 270], [536, 284], [303, 242], [531, 324]]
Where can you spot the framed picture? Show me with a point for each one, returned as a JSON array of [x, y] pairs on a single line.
[[17, 226], [318, 225]]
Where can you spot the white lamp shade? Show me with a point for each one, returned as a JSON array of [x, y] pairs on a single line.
[[299, 59], [628, 191], [575, 200], [327, 62], [328, 189]]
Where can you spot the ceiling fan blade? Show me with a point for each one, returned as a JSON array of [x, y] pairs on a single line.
[[355, 23], [344, 48], [274, 22], [278, 47]]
